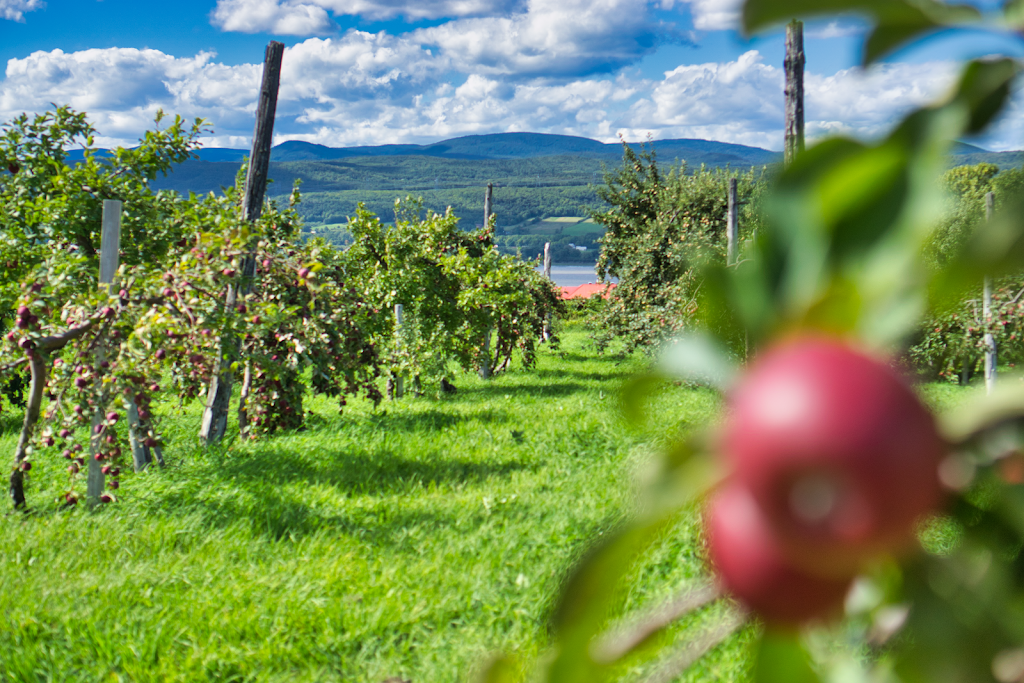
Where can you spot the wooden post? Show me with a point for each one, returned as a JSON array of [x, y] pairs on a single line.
[[732, 223], [546, 332], [485, 364], [487, 204], [215, 415], [991, 356], [110, 246], [399, 379], [795, 61], [110, 240]]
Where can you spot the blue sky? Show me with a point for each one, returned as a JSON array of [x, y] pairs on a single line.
[[389, 71]]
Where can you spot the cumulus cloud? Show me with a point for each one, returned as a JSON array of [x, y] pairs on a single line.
[[292, 17], [715, 15], [14, 10], [373, 88], [250, 16], [553, 38], [741, 101]]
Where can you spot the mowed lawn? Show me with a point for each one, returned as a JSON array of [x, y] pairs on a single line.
[[408, 541]]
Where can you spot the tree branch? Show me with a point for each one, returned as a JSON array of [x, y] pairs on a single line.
[[624, 639]]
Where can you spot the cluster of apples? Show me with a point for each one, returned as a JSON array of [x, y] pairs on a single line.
[[833, 461]]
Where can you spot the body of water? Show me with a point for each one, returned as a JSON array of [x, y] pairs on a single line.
[[573, 276]]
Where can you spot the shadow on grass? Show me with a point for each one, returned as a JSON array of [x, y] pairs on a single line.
[[11, 421], [260, 488], [524, 389], [398, 417]]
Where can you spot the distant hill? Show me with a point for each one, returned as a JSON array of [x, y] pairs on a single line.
[[535, 175], [512, 146]]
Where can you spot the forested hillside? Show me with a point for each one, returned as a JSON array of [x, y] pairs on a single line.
[[535, 176]]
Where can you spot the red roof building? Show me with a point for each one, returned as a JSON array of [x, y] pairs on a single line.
[[586, 291]]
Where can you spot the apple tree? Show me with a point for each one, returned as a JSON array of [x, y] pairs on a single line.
[[455, 288], [99, 355]]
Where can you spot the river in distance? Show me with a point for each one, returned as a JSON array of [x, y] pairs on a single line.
[[573, 276]]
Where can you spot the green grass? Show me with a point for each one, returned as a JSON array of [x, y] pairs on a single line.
[[412, 540], [408, 541], [564, 219]]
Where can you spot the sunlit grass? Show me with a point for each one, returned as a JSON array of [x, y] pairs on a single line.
[[411, 540]]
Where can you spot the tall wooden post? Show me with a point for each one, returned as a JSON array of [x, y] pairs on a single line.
[[485, 365], [795, 61], [399, 379], [110, 257], [215, 415], [487, 204], [732, 222], [546, 332], [991, 356]]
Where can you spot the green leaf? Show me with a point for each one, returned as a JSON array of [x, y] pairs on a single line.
[[983, 89], [780, 658], [1013, 13], [587, 598], [897, 21], [698, 358], [634, 394], [499, 670], [972, 418]]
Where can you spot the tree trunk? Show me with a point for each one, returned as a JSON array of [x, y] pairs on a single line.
[[37, 365]]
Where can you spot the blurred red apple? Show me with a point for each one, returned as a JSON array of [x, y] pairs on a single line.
[[837, 450], [752, 565]]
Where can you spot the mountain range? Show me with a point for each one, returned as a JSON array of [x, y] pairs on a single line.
[[535, 175], [512, 146]]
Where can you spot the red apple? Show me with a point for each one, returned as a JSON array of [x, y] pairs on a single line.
[[837, 450], [752, 566]]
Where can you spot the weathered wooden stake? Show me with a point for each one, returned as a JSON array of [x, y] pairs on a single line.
[[485, 363], [485, 366], [399, 379], [795, 61], [487, 204], [110, 256], [215, 415], [732, 222], [991, 356], [546, 332]]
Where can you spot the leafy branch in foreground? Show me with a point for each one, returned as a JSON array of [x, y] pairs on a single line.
[[805, 525]]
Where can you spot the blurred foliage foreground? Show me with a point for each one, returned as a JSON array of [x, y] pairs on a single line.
[[826, 464]]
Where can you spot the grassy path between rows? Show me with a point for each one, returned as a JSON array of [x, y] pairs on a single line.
[[408, 541]]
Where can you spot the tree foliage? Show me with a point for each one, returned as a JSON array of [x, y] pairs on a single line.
[[660, 232], [455, 289]]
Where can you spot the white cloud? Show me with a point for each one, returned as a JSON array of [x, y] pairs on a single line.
[[373, 88], [14, 10], [553, 38], [834, 29], [292, 17], [742, 101], [715, 15], [250, 16]]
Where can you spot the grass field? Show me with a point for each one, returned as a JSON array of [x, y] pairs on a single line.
[[409, 541]]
